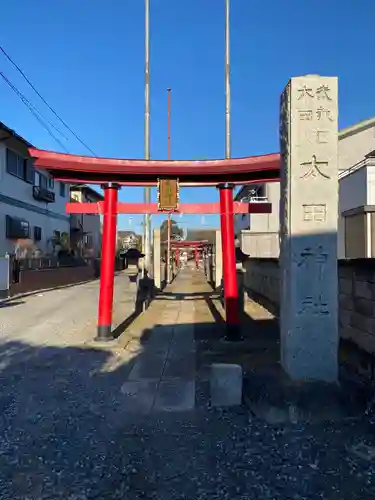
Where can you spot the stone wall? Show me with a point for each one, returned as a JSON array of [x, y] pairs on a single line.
[[356, 295]]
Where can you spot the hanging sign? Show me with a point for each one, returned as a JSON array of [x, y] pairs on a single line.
[[168, 194]]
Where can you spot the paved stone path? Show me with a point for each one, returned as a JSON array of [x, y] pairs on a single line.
[[83, 421], [162, 377]]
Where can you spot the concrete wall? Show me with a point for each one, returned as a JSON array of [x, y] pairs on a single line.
[[16, 200], [32, 280], [4, 277], [260, 236], [356, 295], [354, 145], [260, 245], [352, 194]]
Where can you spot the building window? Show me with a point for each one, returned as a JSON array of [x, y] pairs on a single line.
[[62, 189], [19, 167], [16, 228], [51, 182], [29, 171], [37, 233], [41, 180], [56, 235], [88, 240]]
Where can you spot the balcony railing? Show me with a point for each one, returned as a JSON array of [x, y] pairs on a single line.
[[43, 194], [254, 199]]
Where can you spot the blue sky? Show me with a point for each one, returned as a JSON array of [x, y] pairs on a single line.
[[87, 58]]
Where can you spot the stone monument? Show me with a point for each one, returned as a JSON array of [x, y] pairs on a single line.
[[157, 259], [308, 228]]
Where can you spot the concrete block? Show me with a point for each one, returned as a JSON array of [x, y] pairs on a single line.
[[362, 289], [358, 321], [344, 318], [346, 286], [226, 384], [364, 306], [345, 302]]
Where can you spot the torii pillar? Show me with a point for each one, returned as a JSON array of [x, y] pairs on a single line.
[[107, 269], [229, 262]]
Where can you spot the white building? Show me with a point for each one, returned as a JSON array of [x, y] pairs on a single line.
[[356, 233], [85, 229], [32, 204]]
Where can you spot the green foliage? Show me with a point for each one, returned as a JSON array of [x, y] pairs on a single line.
[[175, 230]]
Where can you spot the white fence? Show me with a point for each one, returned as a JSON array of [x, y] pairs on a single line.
[[4, 277]]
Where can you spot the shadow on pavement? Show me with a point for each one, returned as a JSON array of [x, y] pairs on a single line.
[[11, 303], [70, 431]]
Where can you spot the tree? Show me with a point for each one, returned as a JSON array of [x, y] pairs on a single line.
[[175, 230]]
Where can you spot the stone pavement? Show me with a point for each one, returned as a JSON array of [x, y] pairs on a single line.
[[118, 421], [162, 375]]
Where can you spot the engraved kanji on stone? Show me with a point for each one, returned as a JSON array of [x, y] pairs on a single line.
[[322, 92], [314, 168], [315, 306], [305, 114], [322, 136], [305, 91], [309, 254], [323, 113], [313, 258], [315, 213]]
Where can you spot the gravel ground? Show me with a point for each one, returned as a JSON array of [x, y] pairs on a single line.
[[64, 434]]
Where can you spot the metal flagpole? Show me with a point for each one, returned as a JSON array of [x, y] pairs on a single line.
[[169, 215], [147, 191], [227, 84]]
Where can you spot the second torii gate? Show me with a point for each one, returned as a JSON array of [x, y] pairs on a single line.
[[112, 174], [197, 246]]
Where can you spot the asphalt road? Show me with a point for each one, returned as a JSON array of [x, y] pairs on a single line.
[[57, 317]]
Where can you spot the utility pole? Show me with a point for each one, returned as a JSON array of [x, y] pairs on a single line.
[[227, 84], [147, 192], [169, 215]]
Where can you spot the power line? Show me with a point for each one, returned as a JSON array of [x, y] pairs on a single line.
[[29, 103], [33, 110], [44, 101]]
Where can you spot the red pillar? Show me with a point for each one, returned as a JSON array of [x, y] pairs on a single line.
[[196, 256], [107, 270], [229, 262]]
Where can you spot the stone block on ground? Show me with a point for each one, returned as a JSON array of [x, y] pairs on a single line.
[[226, 384]]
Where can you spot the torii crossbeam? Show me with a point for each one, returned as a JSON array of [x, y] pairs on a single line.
[[112, 174]]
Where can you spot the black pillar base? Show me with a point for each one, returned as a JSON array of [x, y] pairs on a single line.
[[233, 333], [104, 333]]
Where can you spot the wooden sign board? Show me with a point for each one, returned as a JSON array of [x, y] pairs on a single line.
[[168, 194]]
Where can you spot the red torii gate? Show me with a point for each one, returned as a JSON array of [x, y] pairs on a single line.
[[195, 245], [114, 173]]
